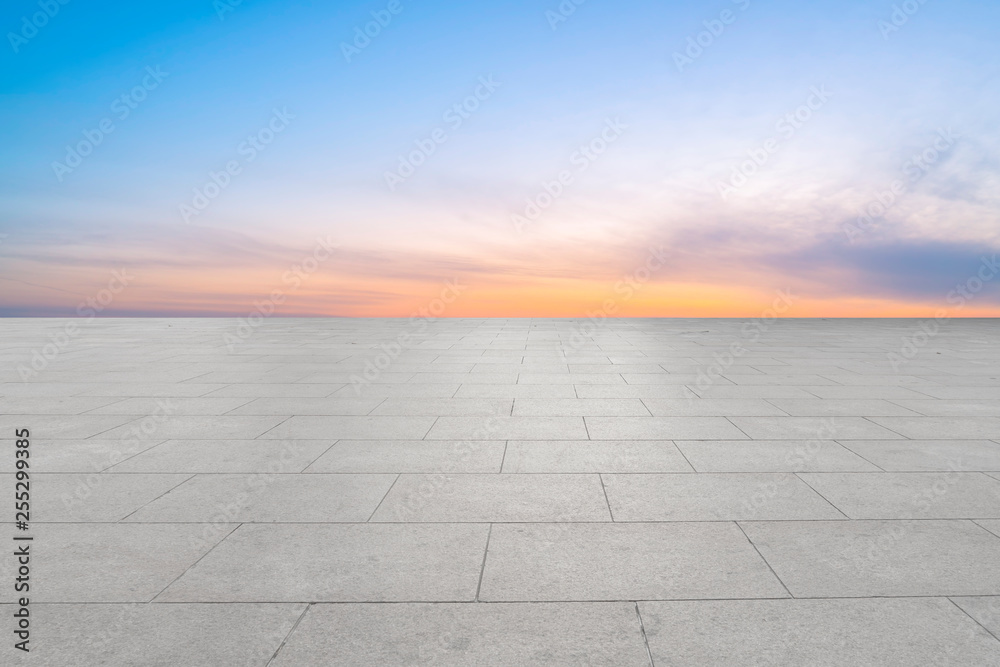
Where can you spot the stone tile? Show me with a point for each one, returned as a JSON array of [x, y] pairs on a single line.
[[515, 391], [66, 427], [910, 495], [480, 498], [911, 631], [338, 563], [99, 497], [439, 407], [714, 497], [810, 428], [273, 391], [874, 392], [411, 456], [581, 456], [52, 405], [621, 391], [159, 634], [720, 391], [943, 428], [822, 407], [569, 378], [992, 526], [879, 558], [232, 456], [289, 406], [87, 456], [985, 610], [597, 633], [352, 428], [929, 455], [662, 428], [169, 427], [952, 408], [414, 390], [266, 498], [508, 428], [650, 561], [710, 407], [110, 562], [579, 407], [771, 456], [201, 405]]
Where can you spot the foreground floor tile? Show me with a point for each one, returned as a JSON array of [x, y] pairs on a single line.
[[771, 456], [411, 456], [72, 497], [879, 558], [662, 428], [986, 611], [519, 498], [812, 428], [508, 428], [922, 455], [467, 634], [355, 428], [102, 562], [265, 498], [532, 456], [910, 495], [338, 563], [159, 634], [918, 631], [714, 497], [651, 561], [232, 456]]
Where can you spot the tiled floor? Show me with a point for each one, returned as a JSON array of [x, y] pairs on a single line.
[[507, 492]]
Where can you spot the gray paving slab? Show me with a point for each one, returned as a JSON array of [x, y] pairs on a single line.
[[879, 558], [304, 405], [201, 405], [438, 407], [662, 428], [166, 426], [338, 563], [268, 498], [985, 610], [821, 428], [991, 525], [579, 407], [226, 456], [714, 497], [711, 407], [821, 407], [552, 633], [90, 455], [110, 562], [943, 428], [910, 631], [487, 498], [612, 561], [577, 456], [159, 635], [411, 456], [929, 455], [90, 497], [771, 456], [910, 495], [508, 428], [348, 428]]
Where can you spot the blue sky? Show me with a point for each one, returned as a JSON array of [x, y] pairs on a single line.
[[225, 73]]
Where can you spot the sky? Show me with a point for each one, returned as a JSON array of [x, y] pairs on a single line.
[[519, 159]]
